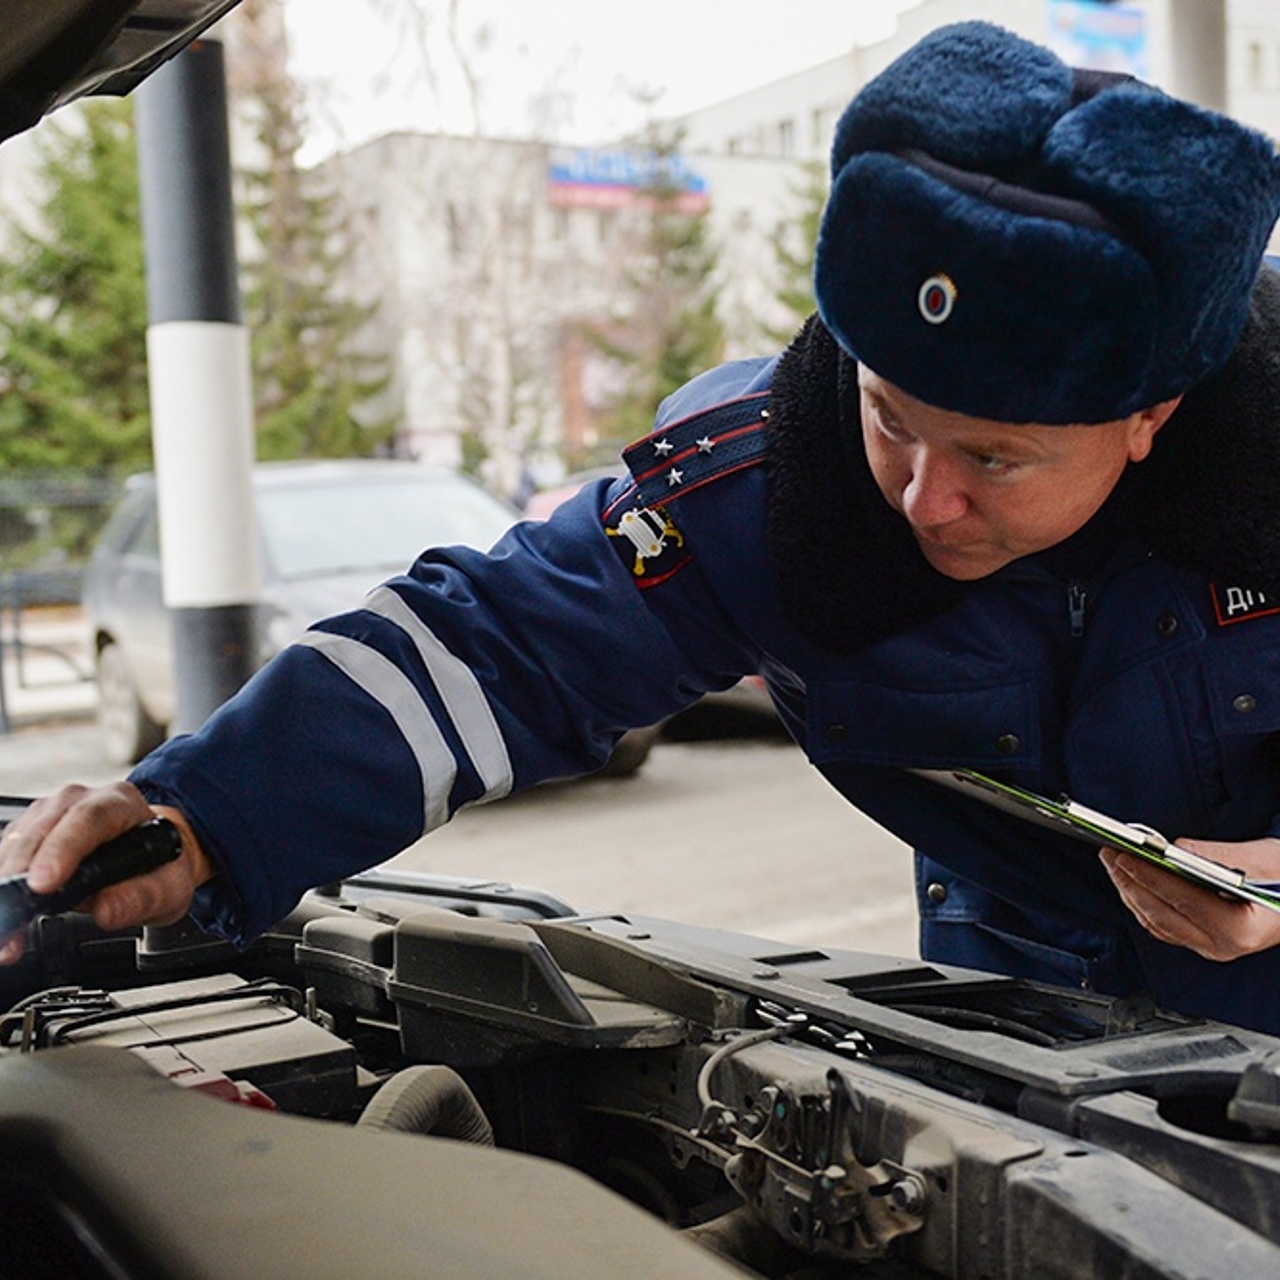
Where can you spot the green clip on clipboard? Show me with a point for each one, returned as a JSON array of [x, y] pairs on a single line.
[[1074, 819]]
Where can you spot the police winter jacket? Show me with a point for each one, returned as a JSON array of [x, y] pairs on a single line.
[[1136, 666]]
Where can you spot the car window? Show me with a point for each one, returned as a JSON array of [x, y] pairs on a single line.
[[143, 539], [146, 539], [374, 526], [122, 524]]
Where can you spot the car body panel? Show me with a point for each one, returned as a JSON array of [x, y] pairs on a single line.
[[344, 503], [55, 51]]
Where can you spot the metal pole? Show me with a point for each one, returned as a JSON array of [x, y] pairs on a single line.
[[201, 402]]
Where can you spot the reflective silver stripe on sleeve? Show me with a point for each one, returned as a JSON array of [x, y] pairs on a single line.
[[387, 685], [459, 690]]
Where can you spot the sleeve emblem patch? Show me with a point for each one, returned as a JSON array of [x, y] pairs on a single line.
[[648, 542]]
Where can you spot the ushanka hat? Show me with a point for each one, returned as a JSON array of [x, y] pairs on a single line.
[[1011, 239]]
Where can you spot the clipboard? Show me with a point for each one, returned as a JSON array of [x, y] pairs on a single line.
[[1072, 818]]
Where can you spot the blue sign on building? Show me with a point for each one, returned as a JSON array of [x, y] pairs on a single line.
[[1102, 37], [586, 177]]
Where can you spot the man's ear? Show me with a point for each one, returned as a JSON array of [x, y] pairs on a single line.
[[1144, 425]]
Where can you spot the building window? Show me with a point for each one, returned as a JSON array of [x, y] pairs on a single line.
[[786, 139], [1257, 64], [818, 128], [455, 225]]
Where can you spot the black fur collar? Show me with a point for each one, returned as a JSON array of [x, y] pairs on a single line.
[[849, 571]]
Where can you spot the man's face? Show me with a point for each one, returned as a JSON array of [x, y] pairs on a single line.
[[980, 494]]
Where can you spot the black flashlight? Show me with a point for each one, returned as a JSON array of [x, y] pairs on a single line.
[[135, 852]]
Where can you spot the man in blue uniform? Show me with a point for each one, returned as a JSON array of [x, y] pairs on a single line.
[[1007, 503]]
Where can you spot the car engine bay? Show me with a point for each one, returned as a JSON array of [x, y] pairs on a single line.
[[765, 1109]]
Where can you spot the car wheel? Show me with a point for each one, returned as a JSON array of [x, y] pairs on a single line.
[[128, 732]]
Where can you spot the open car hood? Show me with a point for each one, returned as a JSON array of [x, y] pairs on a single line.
[[54, 51]]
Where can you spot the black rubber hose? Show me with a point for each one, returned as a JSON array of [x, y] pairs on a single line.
[[430, 1100]]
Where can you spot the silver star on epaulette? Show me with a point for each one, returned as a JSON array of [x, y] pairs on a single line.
[[674, 477], [706, 444], [662, 447]]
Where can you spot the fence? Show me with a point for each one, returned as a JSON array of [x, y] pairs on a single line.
[[48, 524], [40, 645]]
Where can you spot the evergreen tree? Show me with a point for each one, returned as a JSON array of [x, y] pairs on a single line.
[[673, 331], [794, 243], [73, 306], [73, 315], [310, 381]]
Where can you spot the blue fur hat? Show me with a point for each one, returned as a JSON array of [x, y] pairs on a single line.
[[1013, 240]]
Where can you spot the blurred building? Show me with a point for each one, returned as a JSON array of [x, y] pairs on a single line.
[[491, 260], [1224, 54]]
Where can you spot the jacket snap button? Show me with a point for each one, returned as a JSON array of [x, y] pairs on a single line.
[[936, 893], [1166, 624], [837, 733], [1245, 703], [1008, 743]]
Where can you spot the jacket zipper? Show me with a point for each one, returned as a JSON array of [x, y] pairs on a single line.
[[1076, 597]]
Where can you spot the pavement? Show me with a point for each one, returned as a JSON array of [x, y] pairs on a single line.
[[724, 809], [48, 732]]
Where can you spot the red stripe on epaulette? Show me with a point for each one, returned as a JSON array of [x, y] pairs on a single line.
[[691, 451], [705, 446], [756, 397], [628, 495]]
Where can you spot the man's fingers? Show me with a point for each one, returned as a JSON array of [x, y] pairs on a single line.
[[23, 835], [80, 827], [52, 836], [1164, 918], [156, 898], [1186, 915]]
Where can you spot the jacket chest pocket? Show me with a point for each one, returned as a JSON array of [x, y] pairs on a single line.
[[1244, 692], [1188, 745], [994, 724], [1244, 711]]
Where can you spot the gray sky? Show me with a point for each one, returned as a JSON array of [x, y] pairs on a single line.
[[373, 66]]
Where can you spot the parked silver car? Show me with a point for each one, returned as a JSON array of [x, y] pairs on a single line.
[[330, 531]]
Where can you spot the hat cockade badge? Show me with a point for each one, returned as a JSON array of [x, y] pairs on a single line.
[[936, 298]]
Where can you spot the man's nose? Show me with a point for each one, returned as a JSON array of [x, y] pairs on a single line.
[[935, 493]]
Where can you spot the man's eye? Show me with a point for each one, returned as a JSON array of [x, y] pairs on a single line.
[[992, 464]]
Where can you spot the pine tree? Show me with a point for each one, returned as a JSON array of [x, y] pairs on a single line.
[[73, 306], [673, 331], [310, 380], [73, 316], [794, 243]]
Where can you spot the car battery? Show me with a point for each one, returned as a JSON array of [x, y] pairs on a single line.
[[245, 1040]]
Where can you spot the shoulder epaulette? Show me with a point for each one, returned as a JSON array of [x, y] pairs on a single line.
[[676, 459]]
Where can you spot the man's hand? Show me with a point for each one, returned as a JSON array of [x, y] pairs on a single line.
[[1187, 915], [54, 835]]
